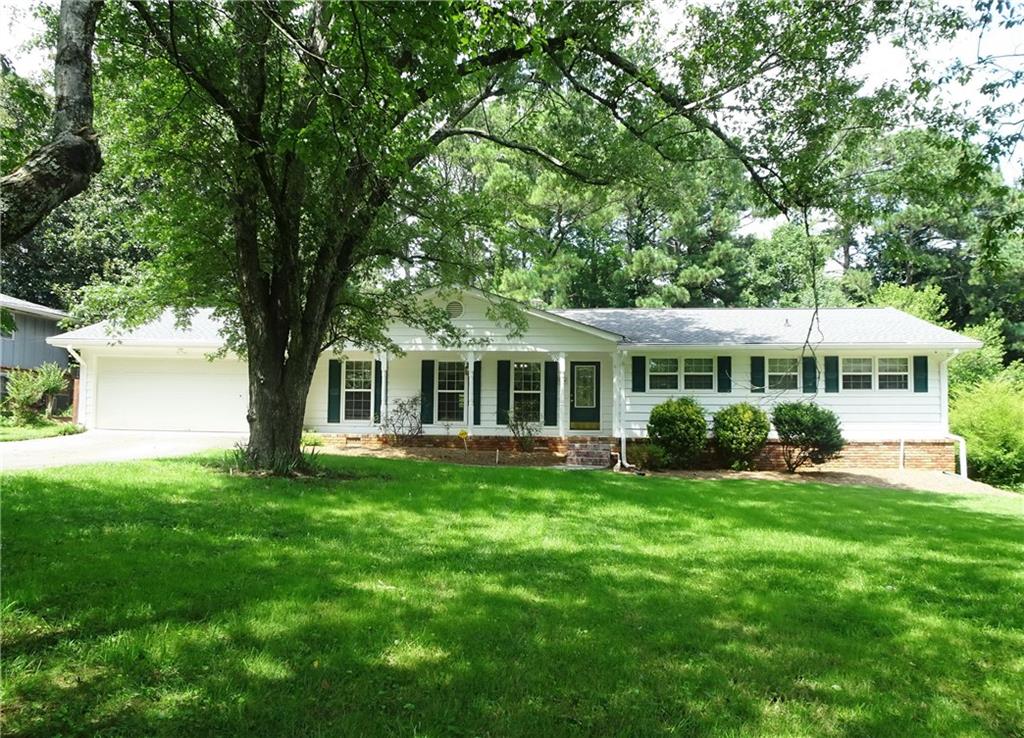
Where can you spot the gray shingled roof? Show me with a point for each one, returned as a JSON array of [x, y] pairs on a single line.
[[204, 330], [642, 326], [24, 306], [768, 326]]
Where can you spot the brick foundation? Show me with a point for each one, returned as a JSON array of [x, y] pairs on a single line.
[[476, 443], [938, 455]]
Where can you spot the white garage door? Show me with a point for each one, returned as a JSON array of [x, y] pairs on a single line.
[[171, 394]]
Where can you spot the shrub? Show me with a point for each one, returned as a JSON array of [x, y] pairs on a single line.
[[24, 395], [649, 456], [807, 432], [991, 418], [523, 431], [311, 439], [679, 427], [740, 433], [53, 380], [70, 429], [402, 423]]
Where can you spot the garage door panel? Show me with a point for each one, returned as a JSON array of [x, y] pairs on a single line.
[[171, 394]]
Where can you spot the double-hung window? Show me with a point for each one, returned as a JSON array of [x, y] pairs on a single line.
[[664, 374], [782, 373], [451, 392], [526, 391], [358, 390], [698, 374], [857, 374], [893, 373]]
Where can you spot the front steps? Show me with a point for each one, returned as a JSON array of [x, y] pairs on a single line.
[[589, 453]]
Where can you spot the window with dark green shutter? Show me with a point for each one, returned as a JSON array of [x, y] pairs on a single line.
[[810, 377], [920, 374], [724, 364], [550, 393], [831, 373], [478, 383], [378, 390], [503, 389], [427, 391], [334, 391], [757, 374], [639, 373]]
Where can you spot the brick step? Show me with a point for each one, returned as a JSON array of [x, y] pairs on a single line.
[[588, 453]]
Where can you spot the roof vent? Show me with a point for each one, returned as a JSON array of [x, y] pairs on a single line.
[[454, 309]]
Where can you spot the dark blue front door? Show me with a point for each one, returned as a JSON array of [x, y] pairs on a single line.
[[584, 395]]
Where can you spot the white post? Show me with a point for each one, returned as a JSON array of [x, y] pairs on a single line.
[[616, 391], [384, 388], [470, 361], [620, 403], [563, 408]]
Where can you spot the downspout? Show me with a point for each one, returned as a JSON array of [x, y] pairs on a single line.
[[621, 402], [943, 369]]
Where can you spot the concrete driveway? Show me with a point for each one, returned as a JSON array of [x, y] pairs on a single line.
[[109, 445]]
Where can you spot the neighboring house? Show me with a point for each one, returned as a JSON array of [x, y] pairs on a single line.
[[577, 373], [27, 348]]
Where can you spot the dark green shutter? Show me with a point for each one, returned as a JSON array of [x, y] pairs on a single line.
[[378, 390], [477, 389], [334, 391], [810, 374], [920, 374], [550, 393], [427, 391], [639, 373], [504, 382], [757, 374], [831, 373], [724, 373]]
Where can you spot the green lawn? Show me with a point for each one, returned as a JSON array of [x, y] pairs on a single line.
[[167, 598], [37, 430]]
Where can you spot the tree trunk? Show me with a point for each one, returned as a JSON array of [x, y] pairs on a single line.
[[61, 169], [276, 411]]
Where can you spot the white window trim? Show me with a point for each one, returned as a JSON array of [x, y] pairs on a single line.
[[345, 390], [910, 375], [874, 378], [438, 391], [540, 393], [576, 384], [679, 375], [798, 371], [714, 375]]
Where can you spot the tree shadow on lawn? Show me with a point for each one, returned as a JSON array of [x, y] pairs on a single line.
[[455, 601]]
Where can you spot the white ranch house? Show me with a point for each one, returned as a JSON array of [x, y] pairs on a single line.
[[590, 373]]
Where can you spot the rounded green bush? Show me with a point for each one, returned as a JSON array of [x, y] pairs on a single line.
[[991, 418], [740, 433], [679, 427], [649, 456], [807, 432]]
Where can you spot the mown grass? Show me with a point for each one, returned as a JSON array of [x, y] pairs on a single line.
[[167, 598], [42, 429]]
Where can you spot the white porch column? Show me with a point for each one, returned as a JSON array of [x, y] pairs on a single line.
[[617, 393], [563, 406], [384, 357], [470, 361]]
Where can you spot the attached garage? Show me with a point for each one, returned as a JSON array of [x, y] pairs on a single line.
[[174, 394]]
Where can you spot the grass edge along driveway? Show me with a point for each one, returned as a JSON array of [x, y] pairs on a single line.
[[168, 598]]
